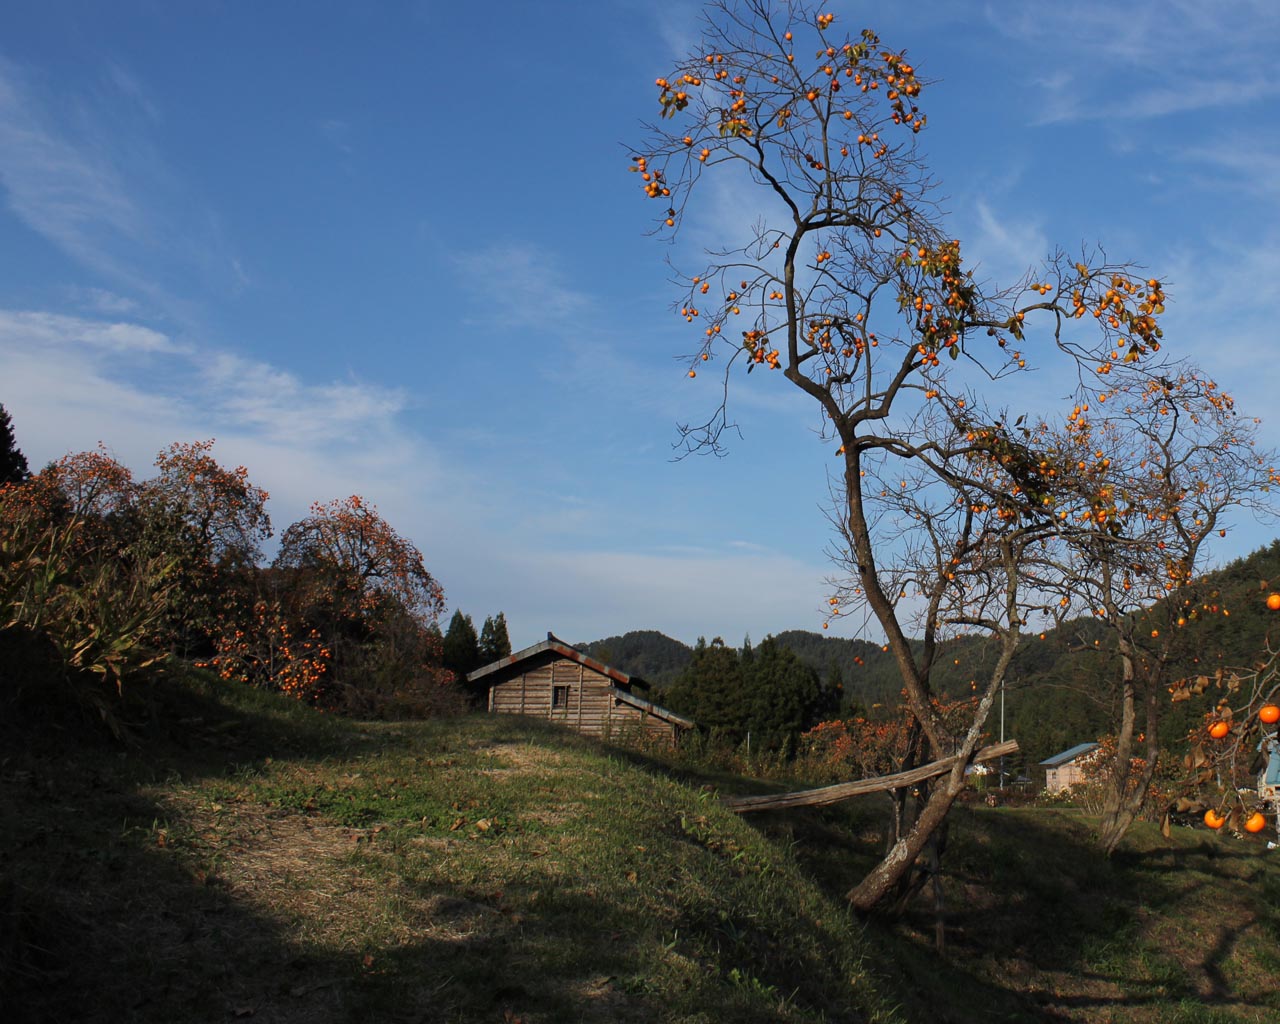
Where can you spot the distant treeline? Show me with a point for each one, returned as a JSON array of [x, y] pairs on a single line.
[[1059, 692]]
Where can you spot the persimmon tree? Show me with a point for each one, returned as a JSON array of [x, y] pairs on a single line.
[[92, 486], [218, 510], [365, 597], [841, 280], [1235, 743], [866, 747], [72, 574], [1145, 490], [348, 542], [211, 522], [261, 638]]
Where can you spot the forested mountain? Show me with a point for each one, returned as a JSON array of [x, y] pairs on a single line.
[[1061, 686], [654, 657]]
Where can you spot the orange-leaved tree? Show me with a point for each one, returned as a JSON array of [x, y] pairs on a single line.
[[364, 593], [73, 576], [218, 509], [1149, 479], [842, 280], [1232, 766], [212, 522]]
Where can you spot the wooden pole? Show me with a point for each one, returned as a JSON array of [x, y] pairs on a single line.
[[845, 790]]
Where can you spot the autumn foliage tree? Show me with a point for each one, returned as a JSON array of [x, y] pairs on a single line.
[[843, 282], [211, 521], [1145, 491], [217, 510], [113, 575], [363, 594], [1236, 744], [75, 581]]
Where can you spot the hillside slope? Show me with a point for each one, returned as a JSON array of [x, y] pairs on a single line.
[[1059, 690], [655, 657], [248, 858]]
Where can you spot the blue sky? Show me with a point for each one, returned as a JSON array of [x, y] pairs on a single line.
[[391, 249]]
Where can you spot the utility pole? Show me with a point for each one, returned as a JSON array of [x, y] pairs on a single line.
[[1002, 730]]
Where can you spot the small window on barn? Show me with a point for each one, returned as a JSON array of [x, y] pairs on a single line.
[[559, 697]]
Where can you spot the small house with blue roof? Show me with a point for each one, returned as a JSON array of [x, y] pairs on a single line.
[[1064, 770]]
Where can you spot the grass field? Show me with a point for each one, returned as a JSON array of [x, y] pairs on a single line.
[[245, 858]]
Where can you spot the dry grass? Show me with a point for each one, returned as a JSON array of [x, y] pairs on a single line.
[[243, 862], [1041, 927]]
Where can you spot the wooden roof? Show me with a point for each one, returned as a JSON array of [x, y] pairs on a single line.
[[557, 646], [554, 645]]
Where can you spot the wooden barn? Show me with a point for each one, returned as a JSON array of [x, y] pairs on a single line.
[[553, 680]]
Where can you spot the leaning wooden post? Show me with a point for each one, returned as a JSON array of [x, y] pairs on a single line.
[[845, 790]]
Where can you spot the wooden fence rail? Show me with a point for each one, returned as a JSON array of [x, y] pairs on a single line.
[[844, 790]]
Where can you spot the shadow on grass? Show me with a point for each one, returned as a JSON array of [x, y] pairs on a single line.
[[1039, 924], [101, 919], [114, 907]]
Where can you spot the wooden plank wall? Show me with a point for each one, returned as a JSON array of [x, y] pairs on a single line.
[[591, 707]]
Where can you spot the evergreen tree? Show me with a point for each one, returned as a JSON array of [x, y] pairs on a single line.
[[13, 464], [782, 695], [494, 642], [832, 688], [461, 651], [710, 690]]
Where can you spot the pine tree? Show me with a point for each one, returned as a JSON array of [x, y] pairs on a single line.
[[13, 464], [782, 695], [710, 690], [494, 642], [461, 651]]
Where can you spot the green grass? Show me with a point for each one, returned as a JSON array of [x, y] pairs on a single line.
[[249, 858], [246, 857], [1041, 927]]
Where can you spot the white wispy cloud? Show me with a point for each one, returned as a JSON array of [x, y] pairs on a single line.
[[81, 167], [74, 195], [74, 380], [523, 291], [128, 85], [1249, 163], [102, 300], [1000, 245], [521, 285], [27, 328], [1138, 60], [336, 132], [279, 406]]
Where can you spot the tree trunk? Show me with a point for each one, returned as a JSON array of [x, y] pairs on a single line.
[[1116, 816], [936, 849], [1125, 797], [886, 875]]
